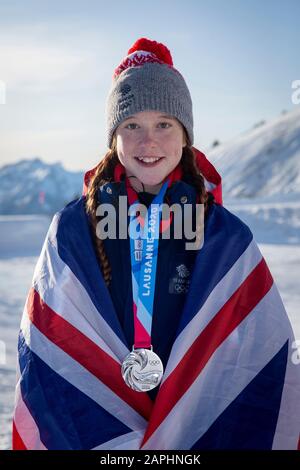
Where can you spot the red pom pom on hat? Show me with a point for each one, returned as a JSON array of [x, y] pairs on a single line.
[[157, 48]]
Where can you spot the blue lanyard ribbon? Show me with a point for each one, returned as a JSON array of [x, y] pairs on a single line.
[[144, 251]]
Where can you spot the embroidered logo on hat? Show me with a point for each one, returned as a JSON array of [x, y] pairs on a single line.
[[127, 100], [125, 89]]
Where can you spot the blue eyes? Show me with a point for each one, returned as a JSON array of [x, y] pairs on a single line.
[[164, 125]]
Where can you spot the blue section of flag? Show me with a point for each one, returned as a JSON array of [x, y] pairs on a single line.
[[249, 422], [66, 417]]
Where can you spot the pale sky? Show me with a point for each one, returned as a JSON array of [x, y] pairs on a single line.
[[239, 59]]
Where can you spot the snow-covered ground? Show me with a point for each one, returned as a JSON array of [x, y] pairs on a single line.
[[15, 275], [21, 241], [275, 227]]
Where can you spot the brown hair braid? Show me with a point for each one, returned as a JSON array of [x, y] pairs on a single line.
[[105, 173]]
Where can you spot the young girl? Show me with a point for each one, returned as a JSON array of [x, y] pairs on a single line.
[[147, 328]]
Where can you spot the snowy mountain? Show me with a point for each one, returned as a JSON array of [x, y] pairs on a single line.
[[35, 187], [263, 162]]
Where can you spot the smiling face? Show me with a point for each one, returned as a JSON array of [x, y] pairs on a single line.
[[149, 145]]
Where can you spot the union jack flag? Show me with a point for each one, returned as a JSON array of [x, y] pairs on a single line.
[[230, 382]]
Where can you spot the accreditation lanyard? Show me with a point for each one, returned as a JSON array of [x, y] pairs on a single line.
[[143, 252]]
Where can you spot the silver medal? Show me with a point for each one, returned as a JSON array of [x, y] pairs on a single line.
[[142, 370]]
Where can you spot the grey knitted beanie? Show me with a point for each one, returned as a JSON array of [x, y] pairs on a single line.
[[146, 80]]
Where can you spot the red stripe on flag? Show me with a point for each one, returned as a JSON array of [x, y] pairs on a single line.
[[85, 352], [17, 442], [141, 335], [236, 309]]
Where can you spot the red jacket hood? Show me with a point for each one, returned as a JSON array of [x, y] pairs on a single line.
[[213, 181]]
